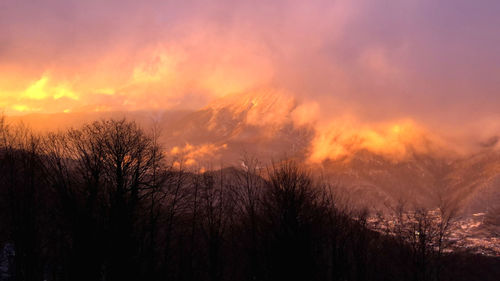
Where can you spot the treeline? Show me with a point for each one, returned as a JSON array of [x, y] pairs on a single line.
[[103, 203]]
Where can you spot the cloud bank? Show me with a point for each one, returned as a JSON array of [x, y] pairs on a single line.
[[434, 63]]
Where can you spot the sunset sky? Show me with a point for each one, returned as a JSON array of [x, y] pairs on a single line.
[[436, 63]]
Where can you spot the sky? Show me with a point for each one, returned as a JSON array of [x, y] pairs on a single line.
[[432, 63]]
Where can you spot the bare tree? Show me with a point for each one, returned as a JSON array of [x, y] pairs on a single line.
[[288, 205], [217, 209], [107, 173], [426, 233], [248, 188], [22, 186]]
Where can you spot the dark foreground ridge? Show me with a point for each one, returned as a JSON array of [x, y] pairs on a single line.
[[102, 203]]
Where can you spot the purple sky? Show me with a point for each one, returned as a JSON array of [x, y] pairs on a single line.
[[437, 62]]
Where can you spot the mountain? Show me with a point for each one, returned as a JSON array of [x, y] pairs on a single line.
[[419, 180], [260, 123]]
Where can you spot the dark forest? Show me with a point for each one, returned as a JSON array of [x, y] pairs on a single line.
[[102, 202]]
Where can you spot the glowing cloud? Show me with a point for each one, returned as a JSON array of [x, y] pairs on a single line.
[[40, 91], [37, 90], [433, 62], [189, 155], [342, 138]]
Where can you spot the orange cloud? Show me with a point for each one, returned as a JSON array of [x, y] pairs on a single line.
[[322, 59], [396, 139], [189, 154]]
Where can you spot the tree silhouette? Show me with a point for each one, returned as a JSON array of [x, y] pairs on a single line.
[[102, 202]]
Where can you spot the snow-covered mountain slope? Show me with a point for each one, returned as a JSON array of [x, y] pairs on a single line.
[[261, 123]]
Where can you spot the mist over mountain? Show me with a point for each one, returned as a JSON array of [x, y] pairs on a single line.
[[340, 140], [378, 168]]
